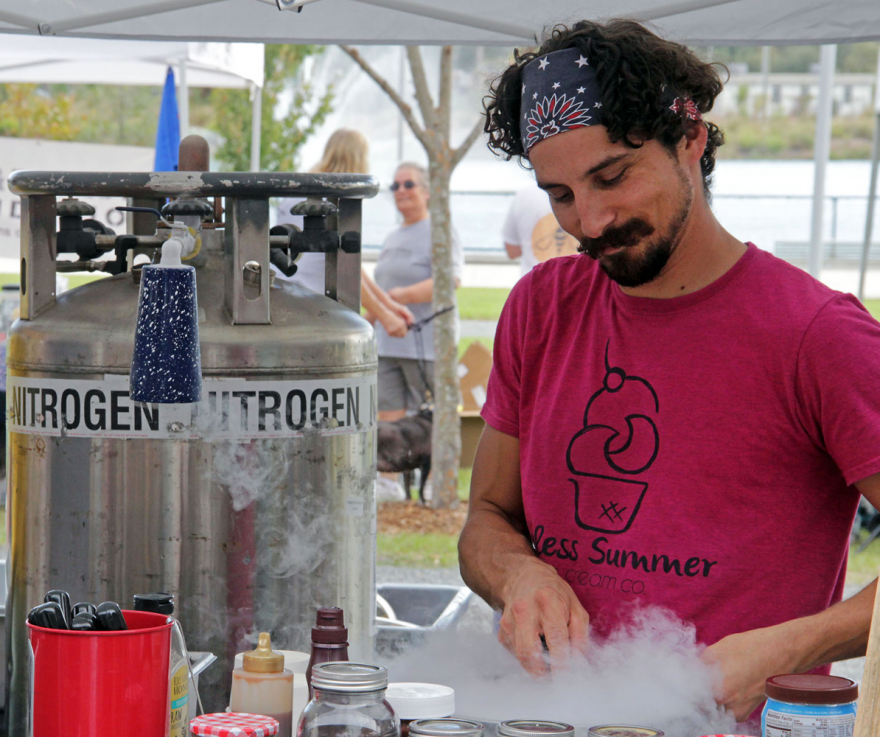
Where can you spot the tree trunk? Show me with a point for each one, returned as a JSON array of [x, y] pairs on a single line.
[[434, 135], [446, 438]]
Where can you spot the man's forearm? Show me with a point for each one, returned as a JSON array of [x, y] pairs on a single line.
[[490, 549], [838, 633]]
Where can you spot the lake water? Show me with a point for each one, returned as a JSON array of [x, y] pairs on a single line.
[[767, 202]]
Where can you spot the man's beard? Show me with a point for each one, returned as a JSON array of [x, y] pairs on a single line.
[[631, 269]]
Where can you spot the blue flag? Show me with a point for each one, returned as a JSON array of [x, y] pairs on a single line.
[[168, 132]]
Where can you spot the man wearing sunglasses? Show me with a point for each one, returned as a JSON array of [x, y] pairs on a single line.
[[675, 418], [406, 365]]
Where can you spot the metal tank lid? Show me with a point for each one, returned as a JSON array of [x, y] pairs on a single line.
[[345, 677], [534, 728], [91, 331]]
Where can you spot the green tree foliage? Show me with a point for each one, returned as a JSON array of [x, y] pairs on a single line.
[[291, 112], [29, 112], [860, 57], [117, 114]]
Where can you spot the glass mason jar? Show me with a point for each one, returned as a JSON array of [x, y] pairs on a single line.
[[349, 701]]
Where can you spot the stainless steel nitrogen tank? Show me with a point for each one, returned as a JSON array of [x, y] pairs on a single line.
[[254, 506]]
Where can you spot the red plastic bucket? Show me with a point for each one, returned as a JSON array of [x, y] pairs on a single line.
[[89, 683]]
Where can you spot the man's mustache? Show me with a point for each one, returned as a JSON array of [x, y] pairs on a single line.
[[623, 236]]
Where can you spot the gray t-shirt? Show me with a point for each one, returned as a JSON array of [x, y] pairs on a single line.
[[405, 259]]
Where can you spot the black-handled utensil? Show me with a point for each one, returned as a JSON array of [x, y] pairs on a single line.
[[62, 598], [48, 615], [110, 618], [84, 622], [84, 607]]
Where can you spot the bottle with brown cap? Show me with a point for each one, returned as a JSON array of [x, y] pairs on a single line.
[[262, 686], [329, 640]]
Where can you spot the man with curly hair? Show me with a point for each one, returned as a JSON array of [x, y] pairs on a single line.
[[675, 417]]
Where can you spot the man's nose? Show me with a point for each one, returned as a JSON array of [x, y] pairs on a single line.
[[595, 215]]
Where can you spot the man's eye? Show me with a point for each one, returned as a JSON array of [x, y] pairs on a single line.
[[614, 180], [561, 198]]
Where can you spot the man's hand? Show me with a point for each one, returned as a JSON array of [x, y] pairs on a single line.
[[539, 602], [745, 661]]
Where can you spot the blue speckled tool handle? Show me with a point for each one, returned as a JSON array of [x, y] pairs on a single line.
[[166, 366]]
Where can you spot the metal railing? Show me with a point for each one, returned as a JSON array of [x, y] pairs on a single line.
[[478, 217]]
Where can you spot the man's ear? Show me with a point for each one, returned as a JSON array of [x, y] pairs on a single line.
[[696, 135], [693, 143]]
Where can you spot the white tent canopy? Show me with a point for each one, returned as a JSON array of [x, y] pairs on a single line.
[[758, 22], [53, 60], [85, 61]]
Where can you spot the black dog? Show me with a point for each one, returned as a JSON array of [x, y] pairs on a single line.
[[405, 445]]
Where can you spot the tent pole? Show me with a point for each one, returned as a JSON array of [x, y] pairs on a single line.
[[822, 151], [439, 11], [183, 102], [256, 120], [401, 88], [680, 8], [872, 188], [113, 16], [765, 80]]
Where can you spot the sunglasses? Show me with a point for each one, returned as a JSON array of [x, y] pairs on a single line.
[[408, 184]]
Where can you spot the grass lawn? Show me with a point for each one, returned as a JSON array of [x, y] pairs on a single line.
[[873, 306], [417, 550], [480, 303], [465, 342], [862, 567]]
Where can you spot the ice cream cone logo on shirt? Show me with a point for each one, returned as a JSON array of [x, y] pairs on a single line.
[[618, 442]]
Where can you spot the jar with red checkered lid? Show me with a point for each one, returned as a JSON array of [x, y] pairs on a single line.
[[233, 724]]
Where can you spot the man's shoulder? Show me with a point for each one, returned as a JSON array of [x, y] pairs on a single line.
[[553, 282], [792, 290]]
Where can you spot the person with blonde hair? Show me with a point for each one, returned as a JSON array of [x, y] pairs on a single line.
[[346, 152]]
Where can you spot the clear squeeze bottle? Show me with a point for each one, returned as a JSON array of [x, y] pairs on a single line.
[[178, 681], [263, 686]]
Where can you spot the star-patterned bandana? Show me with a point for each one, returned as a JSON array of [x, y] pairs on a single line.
[[560, 93]]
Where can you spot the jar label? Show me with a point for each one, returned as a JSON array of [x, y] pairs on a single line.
[[180, 702], [801, 720]]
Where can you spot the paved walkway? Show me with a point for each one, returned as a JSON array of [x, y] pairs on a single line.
[[478, 328]]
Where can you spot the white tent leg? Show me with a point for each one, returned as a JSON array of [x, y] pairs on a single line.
[[256, 118], [872, 188], [822, 151], [183, 101]]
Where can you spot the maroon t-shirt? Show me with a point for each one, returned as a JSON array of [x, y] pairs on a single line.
[[696, 453]]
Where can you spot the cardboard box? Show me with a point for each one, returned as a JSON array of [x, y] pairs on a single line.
[[473, 377]]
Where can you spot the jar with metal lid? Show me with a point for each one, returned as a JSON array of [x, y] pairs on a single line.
[[446, 728], [534, 728], [413, 701], [815, 705], [624, 730], [349, 701]]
